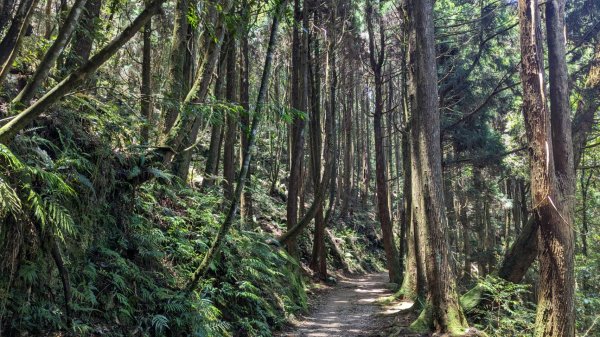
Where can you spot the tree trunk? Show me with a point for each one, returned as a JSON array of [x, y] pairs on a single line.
[[319, 258], [297, 140], [409, 283], [83, 40], [442, 313], [6, 8], [377, 58], [552, 169], [246, 207], [146, 88], [585, 186], [175, 93], [231, 95]]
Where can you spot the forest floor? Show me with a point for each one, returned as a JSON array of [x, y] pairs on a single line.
[[352, 308]]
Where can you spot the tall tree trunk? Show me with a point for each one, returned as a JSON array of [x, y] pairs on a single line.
[[49, 24], [319, 257], [409, 283], [246, 207], [216, 134], [463, 219], [442, 312], [348, 151], [377, 58], [146, 88], [231, 95], [175, 91], [367, 152], [297, 140], [552, 169]]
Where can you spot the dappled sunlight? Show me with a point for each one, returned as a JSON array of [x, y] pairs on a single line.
[[399, 307], [349, 310]]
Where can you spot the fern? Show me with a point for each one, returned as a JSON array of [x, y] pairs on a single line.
[[160, 323], [61, 220], [9, 202]]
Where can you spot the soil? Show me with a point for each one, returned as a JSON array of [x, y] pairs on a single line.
[[351, 309]]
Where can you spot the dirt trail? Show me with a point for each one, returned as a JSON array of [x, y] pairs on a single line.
[[350, 309]]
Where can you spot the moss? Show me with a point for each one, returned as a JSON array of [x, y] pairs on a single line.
[[471, 298], [457, 324], [423, 323], [407, 289]]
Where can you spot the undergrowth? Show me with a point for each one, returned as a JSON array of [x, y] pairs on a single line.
[[502, 308], [71, 212]]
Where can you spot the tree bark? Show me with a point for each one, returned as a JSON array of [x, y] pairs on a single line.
[[377, 58], [442, 313], [146, 87], [6, 8], [175, 92], [297, 140], [552, 168], [246, 207], [83, 40], [231, 95]]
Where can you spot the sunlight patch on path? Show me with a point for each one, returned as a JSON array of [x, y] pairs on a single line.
[[349, 310]]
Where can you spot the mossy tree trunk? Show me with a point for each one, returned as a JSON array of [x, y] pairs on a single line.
[[83, 39]]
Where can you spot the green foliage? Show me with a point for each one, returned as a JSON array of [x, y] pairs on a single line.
[[504, 308], [129, 250], [587, 296]]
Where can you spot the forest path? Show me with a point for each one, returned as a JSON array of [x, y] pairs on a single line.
[[350, 309]]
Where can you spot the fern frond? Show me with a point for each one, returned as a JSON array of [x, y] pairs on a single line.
[[10, 159], [9, 201], [60, 219]]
